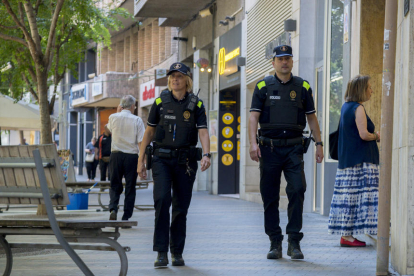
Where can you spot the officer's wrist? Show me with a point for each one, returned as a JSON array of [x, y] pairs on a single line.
[[319, 144]]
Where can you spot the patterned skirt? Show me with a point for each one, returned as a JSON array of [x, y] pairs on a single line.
[[354, 207]]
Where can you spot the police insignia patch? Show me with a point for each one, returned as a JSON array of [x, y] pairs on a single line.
[[177, 66], [292, 94], [186, 115], [283, 48]]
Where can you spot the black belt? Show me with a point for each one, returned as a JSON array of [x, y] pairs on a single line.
[[280, 142], [167, 153]]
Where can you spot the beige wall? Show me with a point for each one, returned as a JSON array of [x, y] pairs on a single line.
[[402, 186], [371, 56], [202, 28]]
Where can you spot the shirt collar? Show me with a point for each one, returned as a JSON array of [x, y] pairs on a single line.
[[182, 100], [126, 111], [291, 77]]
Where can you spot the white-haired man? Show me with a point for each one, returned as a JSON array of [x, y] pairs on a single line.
[[127, 132]]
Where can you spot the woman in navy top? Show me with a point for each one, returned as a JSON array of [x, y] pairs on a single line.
[[354, 207]]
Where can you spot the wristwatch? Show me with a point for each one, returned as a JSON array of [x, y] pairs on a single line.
[[319, 143], [207, 154]]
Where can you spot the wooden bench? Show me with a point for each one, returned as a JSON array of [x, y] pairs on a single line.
[[31, 175], [104, 187]]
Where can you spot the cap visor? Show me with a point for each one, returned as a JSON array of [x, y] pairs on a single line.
[[283, 55]]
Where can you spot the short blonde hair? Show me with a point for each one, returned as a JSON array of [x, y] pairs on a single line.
[[188, 83], [357, 89]]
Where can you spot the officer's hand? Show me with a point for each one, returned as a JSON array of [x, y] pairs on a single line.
[[141, 170], [255, 152], [205, 163], [319, 154]]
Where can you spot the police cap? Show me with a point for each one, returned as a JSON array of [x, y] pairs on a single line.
[[282, 50], [179, 67]]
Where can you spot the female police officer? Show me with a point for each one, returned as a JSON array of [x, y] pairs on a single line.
[[175, 119]]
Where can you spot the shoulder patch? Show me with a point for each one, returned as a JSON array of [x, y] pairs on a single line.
[[261, 84], [158, 101], [199, 104], [306, 85]]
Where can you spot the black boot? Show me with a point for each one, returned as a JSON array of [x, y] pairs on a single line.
[[162, 259], [275, 250], [177, 259], [294, 250]]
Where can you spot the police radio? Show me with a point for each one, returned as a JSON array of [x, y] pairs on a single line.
[[193, 101]]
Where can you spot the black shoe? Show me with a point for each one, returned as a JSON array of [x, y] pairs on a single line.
[[177, 259], [294, 250], [162, 259], [112, 216], [275, 250]]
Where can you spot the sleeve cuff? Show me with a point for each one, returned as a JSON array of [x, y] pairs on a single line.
[[203, 126], [153, 125], [310, 112], [255, 109]]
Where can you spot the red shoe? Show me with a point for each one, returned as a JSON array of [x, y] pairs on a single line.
[[355, 243]]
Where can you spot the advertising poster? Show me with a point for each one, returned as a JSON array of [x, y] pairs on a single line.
[[212, 128]]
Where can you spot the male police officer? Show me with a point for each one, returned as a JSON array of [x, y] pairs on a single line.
[[176, 120], [281, 104]]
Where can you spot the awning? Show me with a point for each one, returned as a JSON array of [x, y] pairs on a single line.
[[18, 116]]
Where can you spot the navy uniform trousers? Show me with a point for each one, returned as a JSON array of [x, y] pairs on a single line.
[[167, 175], [288, 159]]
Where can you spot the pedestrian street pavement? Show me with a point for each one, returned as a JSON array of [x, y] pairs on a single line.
[[225, 236]]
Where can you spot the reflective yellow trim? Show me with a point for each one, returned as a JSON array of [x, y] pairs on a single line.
[[261, 84], [200, 103], [158, 101], [306, 85]]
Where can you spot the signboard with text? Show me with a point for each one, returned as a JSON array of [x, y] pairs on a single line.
[[148, 92], [79, 94], [229, 51]]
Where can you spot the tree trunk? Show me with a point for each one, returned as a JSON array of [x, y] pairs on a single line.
[[46, 128]]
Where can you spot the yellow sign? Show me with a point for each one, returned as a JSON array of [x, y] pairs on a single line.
[[232, 54], [222, 61], [227, 159], [227, 132], [238, 128], [238, 150], [223, 58], [227, 145], [213, 143], [228, 118], [238, 119]]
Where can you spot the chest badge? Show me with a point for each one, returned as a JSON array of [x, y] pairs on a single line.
[[292, 95], [186, 114]]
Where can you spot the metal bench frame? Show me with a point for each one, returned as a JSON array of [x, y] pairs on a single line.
[[65, 231]]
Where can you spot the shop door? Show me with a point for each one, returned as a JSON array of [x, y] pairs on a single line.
[[229, 141]]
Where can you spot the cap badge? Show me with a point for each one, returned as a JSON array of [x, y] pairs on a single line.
[[177, 66], [283, 48], [186, 115], [292, 94]]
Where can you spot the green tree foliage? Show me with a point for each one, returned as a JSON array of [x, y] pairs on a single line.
[[41, 39]]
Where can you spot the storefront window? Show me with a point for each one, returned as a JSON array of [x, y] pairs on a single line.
[[336, 63]]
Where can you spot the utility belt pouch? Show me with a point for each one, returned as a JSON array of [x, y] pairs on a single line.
[[183, 155], [306, 143], [148, 152], [196, 154], [164, 153], [199, 154]]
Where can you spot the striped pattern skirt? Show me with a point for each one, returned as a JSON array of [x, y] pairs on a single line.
[[354, 207]]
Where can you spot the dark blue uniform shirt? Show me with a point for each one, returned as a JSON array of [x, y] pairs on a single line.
[[258, 101]]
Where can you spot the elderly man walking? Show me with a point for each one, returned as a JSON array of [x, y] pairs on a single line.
[[127, 132]]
